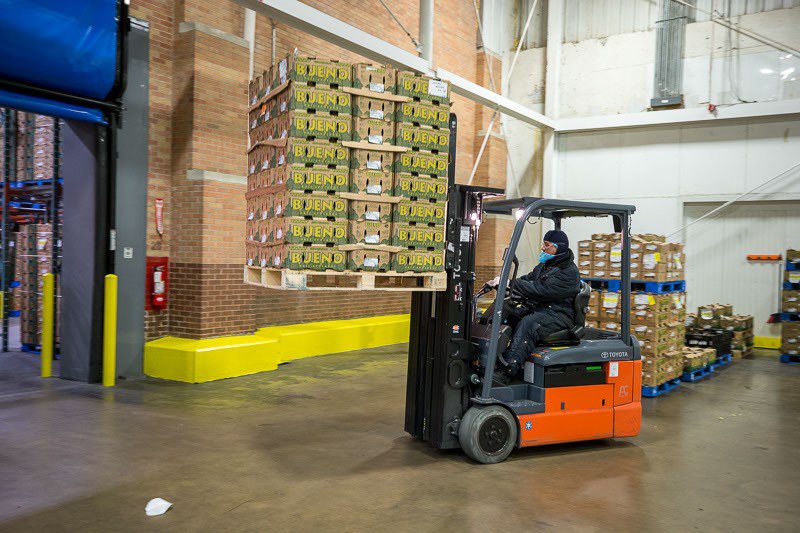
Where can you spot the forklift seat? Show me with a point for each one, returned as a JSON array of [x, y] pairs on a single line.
[[575, 333]]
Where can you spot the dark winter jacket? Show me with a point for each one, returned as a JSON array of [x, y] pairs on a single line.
[[550, 291]]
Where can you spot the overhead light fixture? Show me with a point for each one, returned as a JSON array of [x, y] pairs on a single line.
[[785, 73], [767, 71]]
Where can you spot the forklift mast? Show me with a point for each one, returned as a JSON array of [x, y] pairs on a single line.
[[440, 352]]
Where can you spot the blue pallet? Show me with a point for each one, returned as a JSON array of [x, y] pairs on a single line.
[[26, 205], [792, 266], [658, 287], [788, 317], [611, 285], [654, 287], [14, 284], [722, 360], [652, 392], [790, 358], [14, 313], [697, 375], [31, 348], [789, 286]]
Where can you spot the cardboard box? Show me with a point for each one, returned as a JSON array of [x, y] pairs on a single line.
[[260, 86], [302, 204], [790, 338], [299, 257], [368, 260], [419, 211], [598, 274], [792, 255], [371, 160], [418, 261], [422, 87], [372, 182], [315, 126], [585, 273], [736, 322], [420, 187], [584, 246], [423, 137], [309, 69], [305, 152], [373, 108], [371, 232], [295, 230], [600, 246], [422, 163], [790, 301], [319, 99], [317, 178], [419, 236], [374, 131], [423, 113], [791, 276], [372, 210], [375, 78], [592, 324]]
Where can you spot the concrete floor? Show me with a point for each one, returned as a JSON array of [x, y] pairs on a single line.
[[320, 444]]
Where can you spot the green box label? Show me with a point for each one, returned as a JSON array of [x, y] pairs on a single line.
[[318, 179], [311, 205], [321, 126], [415, 261], [422, 137], [418, 236], [316, 153], [304, 257], [423, 113], [419, 211], [411, 186], [422, 163]]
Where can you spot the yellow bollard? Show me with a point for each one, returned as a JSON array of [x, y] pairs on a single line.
[[110, 332], [48, 283]]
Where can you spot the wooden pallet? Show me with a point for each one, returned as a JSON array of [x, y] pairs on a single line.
[[331, 280]]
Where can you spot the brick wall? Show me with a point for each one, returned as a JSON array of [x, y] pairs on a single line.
[[197, 160]]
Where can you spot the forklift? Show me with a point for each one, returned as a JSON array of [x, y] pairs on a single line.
[[578, 384]]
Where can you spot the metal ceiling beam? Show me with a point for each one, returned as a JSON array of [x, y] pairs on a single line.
[[335, 31], [692, 115]]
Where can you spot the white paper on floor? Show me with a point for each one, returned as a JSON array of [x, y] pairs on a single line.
[[157, 506]]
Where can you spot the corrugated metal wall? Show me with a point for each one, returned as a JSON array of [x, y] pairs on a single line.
[[595, 19]]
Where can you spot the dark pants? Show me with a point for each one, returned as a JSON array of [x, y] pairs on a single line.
[[526, 334]]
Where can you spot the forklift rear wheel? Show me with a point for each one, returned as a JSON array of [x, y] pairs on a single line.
[[487, 434]]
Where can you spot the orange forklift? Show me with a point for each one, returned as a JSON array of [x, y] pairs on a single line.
[[578, 384]]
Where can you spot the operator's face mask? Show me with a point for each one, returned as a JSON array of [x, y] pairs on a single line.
[[544, 256]]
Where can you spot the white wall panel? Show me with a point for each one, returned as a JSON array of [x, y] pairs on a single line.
[[716, 266], [712, 159]]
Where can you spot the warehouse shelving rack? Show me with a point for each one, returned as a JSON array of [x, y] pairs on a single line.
[[15, 211]]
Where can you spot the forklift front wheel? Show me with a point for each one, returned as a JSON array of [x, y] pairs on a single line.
[[488, 433]]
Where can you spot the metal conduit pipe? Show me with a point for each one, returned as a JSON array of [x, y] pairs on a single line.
[[426, 30]]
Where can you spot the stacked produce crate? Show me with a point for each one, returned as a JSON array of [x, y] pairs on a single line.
[[33, 260], [298, 167], [652, 259], [790, 309], [421, 173], [657, 313], [695, 359], [716, 325], [347, 168]]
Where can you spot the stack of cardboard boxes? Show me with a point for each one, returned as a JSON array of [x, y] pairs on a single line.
[[33, 260], [347, 168], [298, 166], [790, 303], [656, 322], [652, 259], [719, 318], [697, 358]]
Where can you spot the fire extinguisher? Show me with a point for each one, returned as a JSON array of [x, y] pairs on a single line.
[[159, 297]]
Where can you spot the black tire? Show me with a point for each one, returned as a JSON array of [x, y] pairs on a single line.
[[487, 434]]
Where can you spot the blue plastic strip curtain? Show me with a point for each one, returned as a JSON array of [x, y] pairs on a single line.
[[66, 46], [53, 108]]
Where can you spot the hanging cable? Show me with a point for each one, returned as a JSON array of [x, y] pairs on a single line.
[[744, 31], [416, 43], [730, 202], [492, 85]]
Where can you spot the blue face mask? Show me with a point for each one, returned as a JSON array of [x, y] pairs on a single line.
[[544, 256]]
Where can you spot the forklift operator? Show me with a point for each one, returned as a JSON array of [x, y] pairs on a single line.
[[544, 299]]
